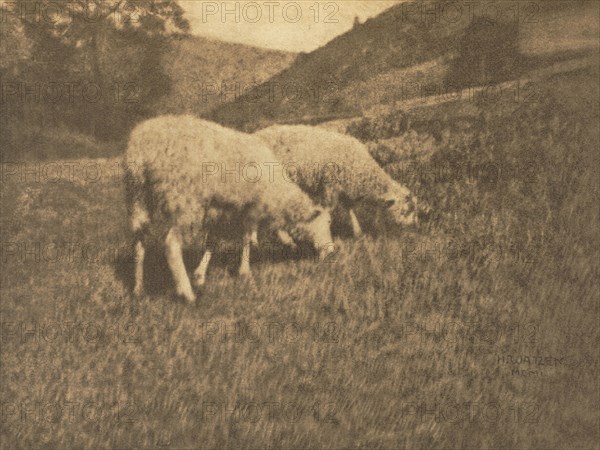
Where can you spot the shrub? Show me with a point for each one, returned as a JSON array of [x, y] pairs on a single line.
[[384, 127]]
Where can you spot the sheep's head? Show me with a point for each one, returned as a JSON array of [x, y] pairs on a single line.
[[401, 206], [316, 230]]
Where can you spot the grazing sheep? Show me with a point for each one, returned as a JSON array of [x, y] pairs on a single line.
[[189, 180], [336, 170]]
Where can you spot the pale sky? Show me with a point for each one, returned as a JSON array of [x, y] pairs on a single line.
[[283, 25]]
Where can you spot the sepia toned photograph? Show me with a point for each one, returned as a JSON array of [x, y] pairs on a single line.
[[300, 224]]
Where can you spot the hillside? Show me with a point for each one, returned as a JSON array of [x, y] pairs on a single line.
[[397, 55], [201, 68]]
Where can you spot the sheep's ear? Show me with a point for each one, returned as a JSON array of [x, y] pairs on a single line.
[[388, 203], [316, 213]]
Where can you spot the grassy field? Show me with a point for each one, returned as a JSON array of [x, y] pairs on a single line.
[[477, 330]]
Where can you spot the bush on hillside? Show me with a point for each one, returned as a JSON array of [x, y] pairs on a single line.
[[383, 127], [488, 52]]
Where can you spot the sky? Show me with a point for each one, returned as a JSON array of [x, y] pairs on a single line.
[[282, 25]]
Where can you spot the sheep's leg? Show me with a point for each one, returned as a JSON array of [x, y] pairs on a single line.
[[285, 238], [254, 238], [356, 229], [175, 260], [246, 244], [140, 254], [200, 272], [139, 219]]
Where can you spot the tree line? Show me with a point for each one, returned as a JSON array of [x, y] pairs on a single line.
[[93, 66]]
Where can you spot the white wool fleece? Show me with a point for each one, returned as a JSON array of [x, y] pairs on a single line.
[[191, 172]]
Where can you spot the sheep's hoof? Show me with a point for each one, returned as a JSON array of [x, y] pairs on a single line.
[[245, 273], [361, 238], [189, 297], [191, 300], [199, 282], [246, 281]]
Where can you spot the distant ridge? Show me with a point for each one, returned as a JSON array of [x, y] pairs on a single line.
[[379, 62], [201, 68]]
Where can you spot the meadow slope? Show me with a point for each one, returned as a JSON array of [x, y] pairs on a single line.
[[478, 330]]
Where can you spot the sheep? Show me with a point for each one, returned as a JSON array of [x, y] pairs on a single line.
[[175, 192], [337, 170]]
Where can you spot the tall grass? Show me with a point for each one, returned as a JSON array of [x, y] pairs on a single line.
[[478, 330]]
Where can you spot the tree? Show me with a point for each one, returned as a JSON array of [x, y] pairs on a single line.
[[487, 53], [116, 45]]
